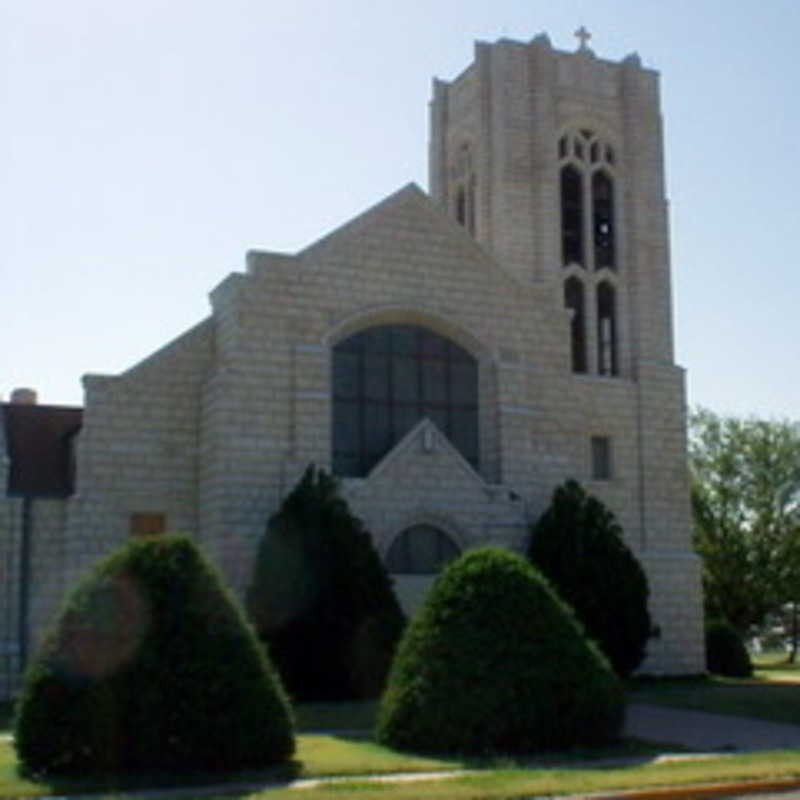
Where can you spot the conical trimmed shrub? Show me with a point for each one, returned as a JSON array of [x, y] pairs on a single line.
[[495, 663], [726, 653], [321, 597], [151, 666], [579, 547]]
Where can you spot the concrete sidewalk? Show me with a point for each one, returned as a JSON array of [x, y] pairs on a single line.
[[700, 730]]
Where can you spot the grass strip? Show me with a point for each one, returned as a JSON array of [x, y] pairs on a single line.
[[518, 783], [351, 758]]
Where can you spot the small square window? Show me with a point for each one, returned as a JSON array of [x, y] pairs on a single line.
[[601, 458], [148, 523]]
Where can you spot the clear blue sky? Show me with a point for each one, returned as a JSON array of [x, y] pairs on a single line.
[[146, 145]]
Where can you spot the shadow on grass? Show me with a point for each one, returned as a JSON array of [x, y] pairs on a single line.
[[275, 776], [6, 716], [627, 751]]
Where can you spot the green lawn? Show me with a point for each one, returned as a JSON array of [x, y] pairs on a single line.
[[316, 756], [350, 755]]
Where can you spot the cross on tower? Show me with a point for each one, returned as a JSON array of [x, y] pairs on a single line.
[[584, 37]]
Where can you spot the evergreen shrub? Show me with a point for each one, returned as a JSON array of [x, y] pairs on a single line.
[[151, 666], [496, 663], [726, 653], [579, 547], [321, 597]]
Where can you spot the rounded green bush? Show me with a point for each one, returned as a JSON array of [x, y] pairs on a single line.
[[725, 651], [321, 597], [495, 663], [579, 547], [151, 666]]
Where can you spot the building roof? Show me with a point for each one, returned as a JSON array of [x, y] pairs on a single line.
[[39, 447]]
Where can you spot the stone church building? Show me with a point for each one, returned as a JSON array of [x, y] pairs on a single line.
[[452, 356]]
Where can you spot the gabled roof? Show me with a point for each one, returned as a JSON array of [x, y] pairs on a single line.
[[411, 212], [39, 448]]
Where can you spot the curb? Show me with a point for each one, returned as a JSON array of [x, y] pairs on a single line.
[[697, 790]]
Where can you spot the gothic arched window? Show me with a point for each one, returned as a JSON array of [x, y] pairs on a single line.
[[421, 550], [587, 200], [571, 216], [574, 300], [607, 359], [386, 379], [603, 220]]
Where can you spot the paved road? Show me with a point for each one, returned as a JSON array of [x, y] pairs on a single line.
[[700, 730]]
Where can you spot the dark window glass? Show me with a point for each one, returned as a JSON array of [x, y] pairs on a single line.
[[376, 376], [386, 379], [376, 340], [405, 418], [345, 375], [421, 550], [464, 383], [405, 379], [601, 458], [607, 359], [404, 339], [347, 432], [377, 430], [603, 220], [461, 206], [471, 206], [434, 380], [435, 346], [574, 300], [571, 216]]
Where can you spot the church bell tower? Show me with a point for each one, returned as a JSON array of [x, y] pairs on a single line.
[[553, 161]]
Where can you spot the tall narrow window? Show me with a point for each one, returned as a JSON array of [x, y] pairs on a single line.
[[463, 182], [601, 458], [471, 205], [572, 216], [574, 301], [461, 206], [607, 357], [603, 220], [465, 205]]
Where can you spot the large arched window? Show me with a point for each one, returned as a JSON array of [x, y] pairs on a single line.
[[574, 301], [421, 550], [386, 379]]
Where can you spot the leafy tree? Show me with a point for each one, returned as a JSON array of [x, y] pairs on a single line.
[[151, 666], [495, 662], [578, 545], [745, 485], [321, 596]]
